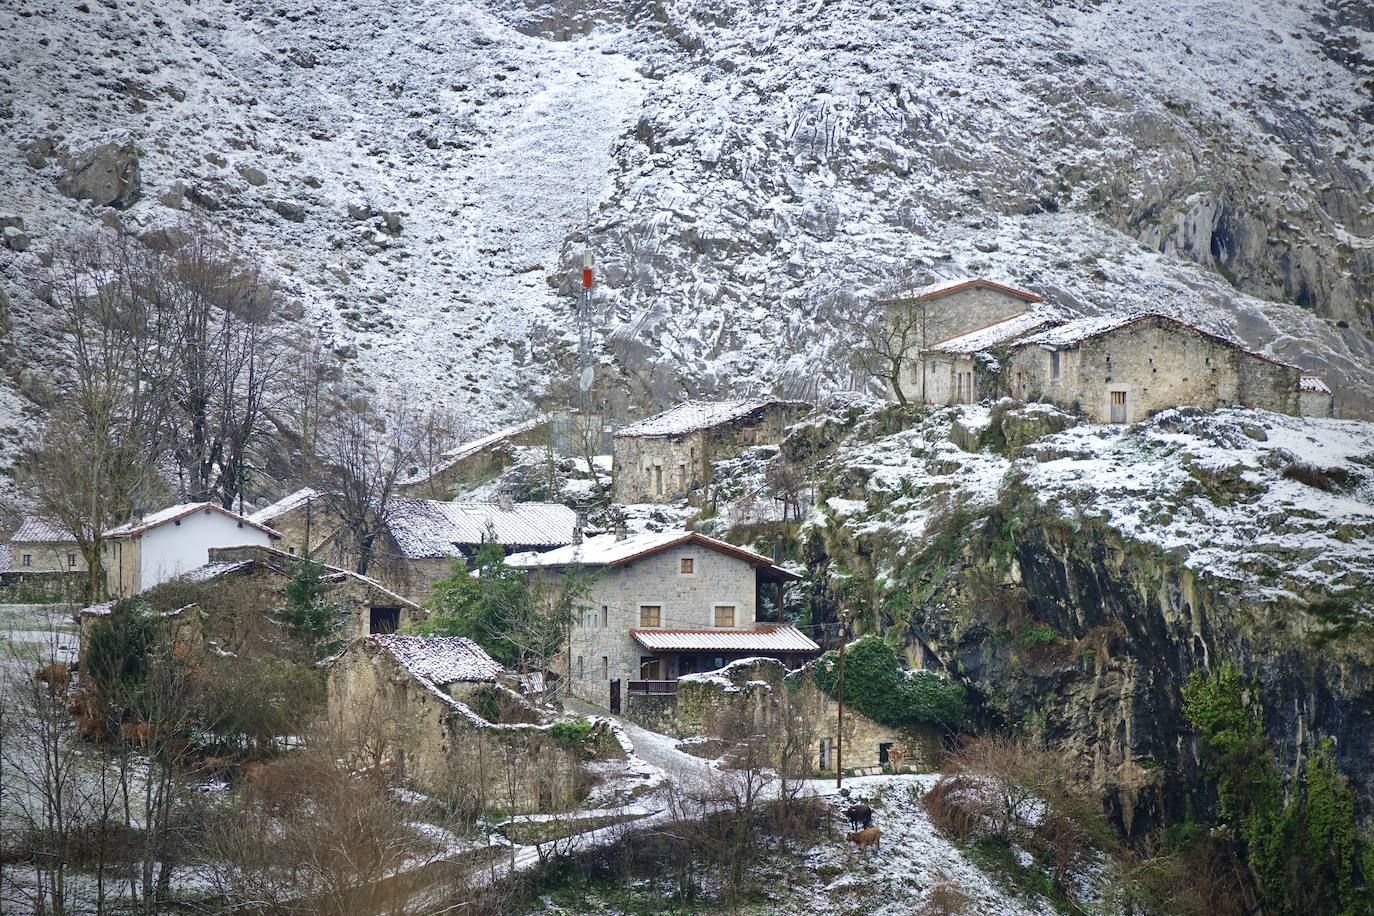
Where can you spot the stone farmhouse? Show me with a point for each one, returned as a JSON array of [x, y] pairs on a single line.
[[417, 697], [962, 369], [1122, 368], [236, 586], [948, 309], [423, 537], [42, 545], [668, 456], [661, 606], [173, 541]]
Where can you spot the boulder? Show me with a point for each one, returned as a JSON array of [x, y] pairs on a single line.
[[256, 177], [287, 209], [392, 221], [104, 173], [37, 151], [15, 239], [174, 197]]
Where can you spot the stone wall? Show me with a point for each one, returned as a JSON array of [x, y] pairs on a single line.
[[687, 602], [1315, 404], [19, 587], [655, 711], [1157, 364], [46, 556], [445, 749], [762, 695], [310, 528], [655, 469]]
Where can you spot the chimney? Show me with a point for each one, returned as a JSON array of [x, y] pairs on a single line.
[[618, 526], [505, 501], [577, 528]]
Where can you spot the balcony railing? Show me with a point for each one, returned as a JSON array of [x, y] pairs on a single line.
[[652, 687]]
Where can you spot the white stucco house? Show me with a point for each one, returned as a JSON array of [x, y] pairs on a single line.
[[661, 605], [171, 541]]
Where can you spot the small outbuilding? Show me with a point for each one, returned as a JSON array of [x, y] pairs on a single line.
[[668, 456]]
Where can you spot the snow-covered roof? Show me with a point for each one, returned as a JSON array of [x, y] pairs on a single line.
[[287, 503], [37, 529], [439, 660], [1313, 383], [6, 558], [180, 511], [607, 550], [427, 528], [1074, 332], [764, 638], [690, 416], [946, 287], [474, 446], [992, 335]]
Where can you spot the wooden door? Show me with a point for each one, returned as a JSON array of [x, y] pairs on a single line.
[[615, 696], [1118, 407]]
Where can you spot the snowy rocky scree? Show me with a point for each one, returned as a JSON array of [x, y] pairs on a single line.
[[420, 179]]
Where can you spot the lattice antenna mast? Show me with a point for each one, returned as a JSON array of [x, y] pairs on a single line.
[[584, 342]]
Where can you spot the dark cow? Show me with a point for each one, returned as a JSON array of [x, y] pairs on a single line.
[[860, 816]]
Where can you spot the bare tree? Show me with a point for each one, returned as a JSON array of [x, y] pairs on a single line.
[[891, 337], [359, 464], [221, 359], [97, 458]]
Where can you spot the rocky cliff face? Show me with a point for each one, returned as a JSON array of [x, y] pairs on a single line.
[[420, 179], [1077, 579]]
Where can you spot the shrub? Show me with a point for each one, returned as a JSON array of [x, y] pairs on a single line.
[[310, 620], [119, 649], [571, 733], [876, 685]]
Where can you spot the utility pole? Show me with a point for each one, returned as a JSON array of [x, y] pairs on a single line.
[[584, 337], [839, 729]]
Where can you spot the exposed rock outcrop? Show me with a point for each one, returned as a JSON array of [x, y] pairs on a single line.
[[105, 173]]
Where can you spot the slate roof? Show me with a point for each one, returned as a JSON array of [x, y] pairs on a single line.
[[995, 334], [606, 550], [439, 660], [287, 503], [691, 416], [763, 638], [429, 529], [946, 287], [40, 530], [470, 448], [180, 511]]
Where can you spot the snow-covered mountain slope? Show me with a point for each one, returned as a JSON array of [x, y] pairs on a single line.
[[419, 176]]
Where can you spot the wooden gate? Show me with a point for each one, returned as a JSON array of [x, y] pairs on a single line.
[[1118, 407]]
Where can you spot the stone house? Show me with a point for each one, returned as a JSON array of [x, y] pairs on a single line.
[[662, 605], [305, 522], [1122, 368], [964, 369], [668, 456], [42, 545], [765, 698], [423, 537], [173, 541], [419, 698], [948, 309], [237, 586]]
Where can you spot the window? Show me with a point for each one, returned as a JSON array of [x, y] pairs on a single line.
[[650, 615], [71, 559], [580, 668], [688, 566], [605, 614], [28, 559], [750, 434], [658, 480], [291, 550], [1054, 365], [725, 615], [384, 620], [605, 667], [650, 668]]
